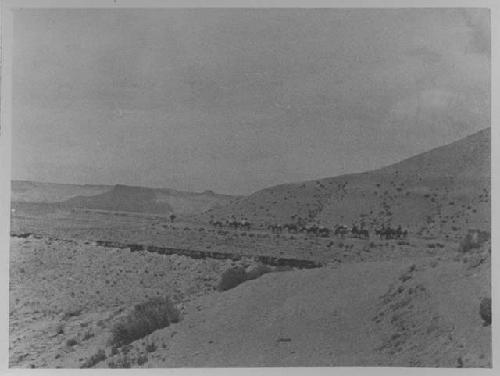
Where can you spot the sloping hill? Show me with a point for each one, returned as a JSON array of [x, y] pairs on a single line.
[[122, 198], [31, 191], [444, 190]]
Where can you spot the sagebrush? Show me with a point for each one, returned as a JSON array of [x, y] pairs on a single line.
[[231, 278], [145, 318]]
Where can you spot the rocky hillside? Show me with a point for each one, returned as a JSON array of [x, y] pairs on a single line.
[[446, 190], [37, 192]]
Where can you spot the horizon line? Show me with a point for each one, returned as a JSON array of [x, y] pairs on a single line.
[[248, 194]]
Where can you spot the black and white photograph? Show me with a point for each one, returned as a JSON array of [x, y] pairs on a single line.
[[200, 187]]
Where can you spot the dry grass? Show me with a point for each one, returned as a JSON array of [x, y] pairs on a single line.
[[146, 317]]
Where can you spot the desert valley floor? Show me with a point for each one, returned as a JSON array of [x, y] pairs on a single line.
[[86, 261]]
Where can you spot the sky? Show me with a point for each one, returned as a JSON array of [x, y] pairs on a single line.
[[236, 100]]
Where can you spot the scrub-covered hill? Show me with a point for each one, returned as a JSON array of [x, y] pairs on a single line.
[[445, 190]]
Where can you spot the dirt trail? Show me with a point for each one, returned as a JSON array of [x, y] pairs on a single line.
[[304, 318]]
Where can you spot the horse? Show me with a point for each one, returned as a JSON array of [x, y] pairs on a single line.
[[386, 233], [400, 233], [291, 227], [275, 228], [390, 233], [324, 232], [232, 223], [360, 233], [380, 232], [311, 229], [244, 224], [341, 230], [216, 223]]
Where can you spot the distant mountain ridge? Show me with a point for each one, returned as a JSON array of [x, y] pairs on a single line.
[[38, 192], [117, 198], [122, 198]]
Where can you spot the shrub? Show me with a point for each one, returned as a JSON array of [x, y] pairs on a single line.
[[99, 356], [146, 317], [231, 278], [151, 347], [485, 310], [122, 362], [142, 359], [472, 240], [88, 334], [72, 313]]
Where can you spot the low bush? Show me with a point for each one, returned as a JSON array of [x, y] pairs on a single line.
[[151, 347], [485, 310], [146, 317], [121, 362], [99, 356], [72, 313], [142, 359], [231, 278], [60, 328], [468, 243], [473, 240], [88, 334]]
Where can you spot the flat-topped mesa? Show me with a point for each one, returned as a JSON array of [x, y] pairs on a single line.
[[123, 198]]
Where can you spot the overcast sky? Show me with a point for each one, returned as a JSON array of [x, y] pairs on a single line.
[[238, 100]]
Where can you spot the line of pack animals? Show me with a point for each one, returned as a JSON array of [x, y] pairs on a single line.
[[384, 232]]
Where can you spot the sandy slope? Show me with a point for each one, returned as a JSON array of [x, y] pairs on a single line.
[[305, 318], [363, 314], [30, 191], [423, 312], [431, 314]]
